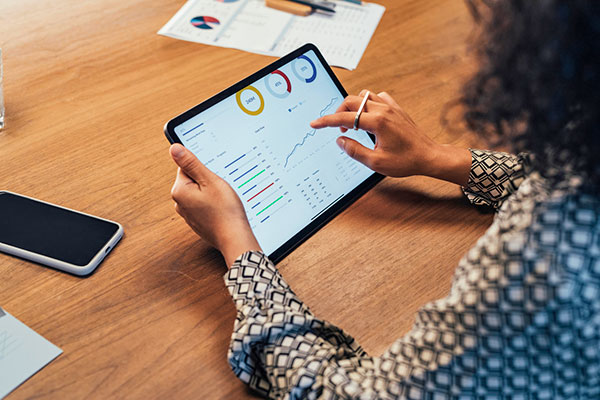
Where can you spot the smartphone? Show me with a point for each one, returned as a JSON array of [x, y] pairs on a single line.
[[55, 236]]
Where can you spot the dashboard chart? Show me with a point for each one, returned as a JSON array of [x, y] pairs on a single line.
[[205, 22], [312, 132], [260, 141], [278, 84]]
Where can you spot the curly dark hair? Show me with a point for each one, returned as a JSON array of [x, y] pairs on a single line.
[[538, 85]]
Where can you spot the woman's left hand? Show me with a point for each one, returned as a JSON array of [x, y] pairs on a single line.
[[210, 206], [402, 148]]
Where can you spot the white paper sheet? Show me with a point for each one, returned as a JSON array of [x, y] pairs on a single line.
[[22, 353], [251, 26]]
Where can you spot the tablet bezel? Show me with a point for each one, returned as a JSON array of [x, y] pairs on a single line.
[[329, 213]]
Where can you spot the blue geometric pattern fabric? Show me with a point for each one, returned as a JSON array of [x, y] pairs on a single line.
[[521, 321]]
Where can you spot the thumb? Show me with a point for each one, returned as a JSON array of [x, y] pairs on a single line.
[[188, 163], [356, 150]]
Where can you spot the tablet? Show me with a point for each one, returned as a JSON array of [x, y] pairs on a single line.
[[256, 135]]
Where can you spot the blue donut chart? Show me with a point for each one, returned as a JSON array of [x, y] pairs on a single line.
[[312, 64]]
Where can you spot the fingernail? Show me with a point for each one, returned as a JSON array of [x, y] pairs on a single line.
[[177, 150], [341, 142]]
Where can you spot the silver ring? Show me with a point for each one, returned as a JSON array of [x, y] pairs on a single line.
[[360, 110]]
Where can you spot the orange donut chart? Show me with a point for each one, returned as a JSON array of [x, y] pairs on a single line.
[[238, 98]]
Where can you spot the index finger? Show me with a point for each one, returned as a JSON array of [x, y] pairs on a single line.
[[182, 178], [345, 120], [181, 184]]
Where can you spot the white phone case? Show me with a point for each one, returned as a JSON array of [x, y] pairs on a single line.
[[58, 264]]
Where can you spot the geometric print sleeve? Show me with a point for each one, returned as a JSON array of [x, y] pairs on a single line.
[[494, 176], [278, 347], [521, 321]]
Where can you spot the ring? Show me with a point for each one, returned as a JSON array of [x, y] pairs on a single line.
[[360, 110]]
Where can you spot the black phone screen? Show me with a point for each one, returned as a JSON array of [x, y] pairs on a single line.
[[52, 231]]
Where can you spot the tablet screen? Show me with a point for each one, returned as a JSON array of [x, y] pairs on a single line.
[[259, 140]]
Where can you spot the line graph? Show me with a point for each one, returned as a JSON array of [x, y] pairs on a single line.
[[3, 344], [309, 134], [8, 344]]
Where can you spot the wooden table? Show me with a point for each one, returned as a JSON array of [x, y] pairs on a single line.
[[88, 86]]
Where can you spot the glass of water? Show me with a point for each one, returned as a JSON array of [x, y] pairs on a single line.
[[1, 95]]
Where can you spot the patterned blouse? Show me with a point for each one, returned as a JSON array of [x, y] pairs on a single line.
[[521, 321]]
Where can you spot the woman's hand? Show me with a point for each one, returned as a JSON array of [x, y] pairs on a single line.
[[401, 149], [210, 206]]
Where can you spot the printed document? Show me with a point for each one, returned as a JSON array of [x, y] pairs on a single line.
[[251, 26], [22, 353]]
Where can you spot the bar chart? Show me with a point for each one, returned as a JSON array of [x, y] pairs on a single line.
[[252, 176]]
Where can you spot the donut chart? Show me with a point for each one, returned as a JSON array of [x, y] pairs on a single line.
[[278, 84], [304, 69], [205, 22], [250, 100]]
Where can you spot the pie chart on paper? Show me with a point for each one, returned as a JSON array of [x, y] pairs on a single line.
[[205, 22]]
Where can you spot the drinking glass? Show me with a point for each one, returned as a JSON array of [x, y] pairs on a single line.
[[1, 95]]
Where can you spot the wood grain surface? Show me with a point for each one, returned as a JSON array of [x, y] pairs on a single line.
[[88, 87]]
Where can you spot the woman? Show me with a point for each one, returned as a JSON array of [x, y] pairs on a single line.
[[522, 319]]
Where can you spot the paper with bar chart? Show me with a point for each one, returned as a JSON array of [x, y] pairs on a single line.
[[250, 25], [260, 141]]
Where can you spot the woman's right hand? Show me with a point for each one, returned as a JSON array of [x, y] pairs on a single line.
[[401, 148]]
